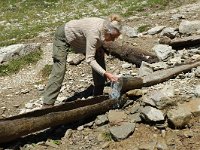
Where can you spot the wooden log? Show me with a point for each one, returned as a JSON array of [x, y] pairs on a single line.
[[17, 126], [156, 77], [180, 43], [129, 53]]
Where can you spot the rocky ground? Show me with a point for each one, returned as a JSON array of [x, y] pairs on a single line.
[[145, 123]]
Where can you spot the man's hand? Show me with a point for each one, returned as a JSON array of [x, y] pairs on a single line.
[[111, 77]]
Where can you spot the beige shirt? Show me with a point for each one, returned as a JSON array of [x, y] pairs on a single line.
[[85, 36]]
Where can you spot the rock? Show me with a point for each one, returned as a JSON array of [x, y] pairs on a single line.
[[179, 117], [129, 31], [177, 17], [169, 32], [80, 128], [17, 50], [135, 92], [193, 106], [116, 117], [145, 69], [163, 51], [136, 108], [152, 114], [122, 132], [155, 30], [161, 98], [25, 91], [68, 133], [197, 72], [189, 27], [197, 91], [29, 105], [126, 65], [175, 61], [159, 66], [134, 118], [75, 59], [101, 120], [40, 87]]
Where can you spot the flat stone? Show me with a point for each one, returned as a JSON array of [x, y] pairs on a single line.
[[189, 27], [169, 32], [101, 120], [152, 114], [163, 51], [155, 30], [145, 69], [135, 118], [123, 131], [129, 31], [180, 116], [159, 66]]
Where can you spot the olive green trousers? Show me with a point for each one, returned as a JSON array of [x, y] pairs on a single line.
[[60, 51]]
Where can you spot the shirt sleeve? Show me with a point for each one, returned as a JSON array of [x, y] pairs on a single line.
[[91, 47]]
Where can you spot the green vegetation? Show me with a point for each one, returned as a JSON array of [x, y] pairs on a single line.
[[15, 65], [25, 19], [143, 28], [107, 136], [46, 71]]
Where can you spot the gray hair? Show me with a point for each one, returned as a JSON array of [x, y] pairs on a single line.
[[110, 26]]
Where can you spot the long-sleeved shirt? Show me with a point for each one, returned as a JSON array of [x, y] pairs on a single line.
[[85, 36]]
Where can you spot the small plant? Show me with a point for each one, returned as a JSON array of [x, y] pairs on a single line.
[[15, 65], [46, 71], [143, 28], [107, 136]]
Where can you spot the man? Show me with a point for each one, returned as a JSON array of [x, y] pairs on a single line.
[[83, 36]]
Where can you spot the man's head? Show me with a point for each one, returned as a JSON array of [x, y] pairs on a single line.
[[112, 28]]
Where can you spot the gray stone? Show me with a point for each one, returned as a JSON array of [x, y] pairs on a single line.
[[177, 16], [152, 114], [197, 91], [135, 118], [123, 131], [135, 108], [179, 117], [17, 50], [197, 72], [68, 133], [126, 65], [129, 31], [193, 106], [155, 30], [135, 92], [159, 66], [163, 51], [145, 69], [29, 105], [169, 32], [189, 27], [175, 61], [75, 59], [161, 98], [101, 120]]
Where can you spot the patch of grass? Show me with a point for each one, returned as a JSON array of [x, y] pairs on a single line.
[[46, 71], [143, 28], [15, 65], [107, 136], [22, 20]]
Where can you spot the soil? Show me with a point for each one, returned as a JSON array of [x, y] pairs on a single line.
[[13, 99]]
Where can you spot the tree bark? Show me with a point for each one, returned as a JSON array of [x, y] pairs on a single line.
[[17, 126], [181, 42], [156, 77], [129, 53]]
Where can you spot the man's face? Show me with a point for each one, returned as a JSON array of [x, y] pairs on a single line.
[[111, 36]]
